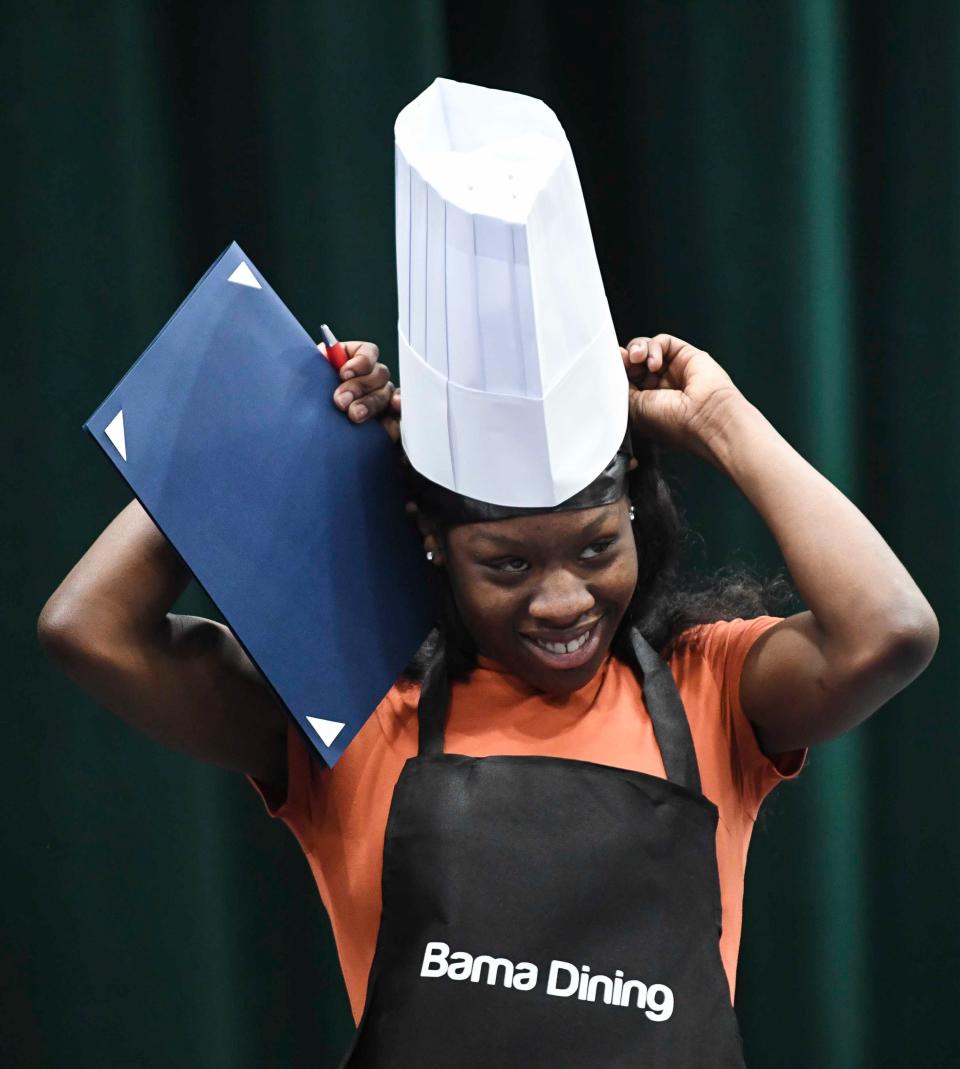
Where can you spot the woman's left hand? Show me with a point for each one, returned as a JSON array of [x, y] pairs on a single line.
[[678, 393]]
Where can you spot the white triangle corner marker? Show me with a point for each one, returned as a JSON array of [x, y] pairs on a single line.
[[114, 431], [328, 730], [243, 276]]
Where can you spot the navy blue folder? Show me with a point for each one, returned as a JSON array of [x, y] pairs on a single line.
[[289, 516]]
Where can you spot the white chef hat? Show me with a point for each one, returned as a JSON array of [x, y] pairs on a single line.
[[514, 391]]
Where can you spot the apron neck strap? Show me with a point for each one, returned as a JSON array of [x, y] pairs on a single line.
[[660, 695], [669, 718], [434, 701]]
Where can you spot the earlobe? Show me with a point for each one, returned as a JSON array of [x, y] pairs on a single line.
[[428, 531], [432, 549], [433, 553]]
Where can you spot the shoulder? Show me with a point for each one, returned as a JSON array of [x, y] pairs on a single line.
[[707, 662], [722, 645], [396, 713]]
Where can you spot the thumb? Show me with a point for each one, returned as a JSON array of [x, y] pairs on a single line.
[[653, 409]]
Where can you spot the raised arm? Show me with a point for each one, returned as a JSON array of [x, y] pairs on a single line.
[[183, 680], [869, 631]]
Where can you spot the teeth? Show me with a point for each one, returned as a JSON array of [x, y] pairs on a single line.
[[565, 647]]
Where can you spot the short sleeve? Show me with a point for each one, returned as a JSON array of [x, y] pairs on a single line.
[[725, 647], [303, 775]]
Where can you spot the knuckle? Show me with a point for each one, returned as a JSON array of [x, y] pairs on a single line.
[[367, 349], [374, 380], [372, 402], [363, 359]]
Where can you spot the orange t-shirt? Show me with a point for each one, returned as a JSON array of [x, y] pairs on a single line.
[[339, 815]]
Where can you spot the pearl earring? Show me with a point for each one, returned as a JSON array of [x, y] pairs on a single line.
[[633, 513], [429, 554]]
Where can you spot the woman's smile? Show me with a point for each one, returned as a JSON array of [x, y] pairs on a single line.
[[565, 650]]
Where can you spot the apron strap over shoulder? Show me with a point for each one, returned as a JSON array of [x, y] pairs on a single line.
[[669, 718], [434, 702]]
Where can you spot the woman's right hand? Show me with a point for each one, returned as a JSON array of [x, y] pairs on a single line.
[[365, 390]]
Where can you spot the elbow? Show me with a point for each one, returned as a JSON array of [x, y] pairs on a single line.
[[911, 644], [60, 630]]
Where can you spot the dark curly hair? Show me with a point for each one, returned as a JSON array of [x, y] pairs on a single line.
[[666, 601]]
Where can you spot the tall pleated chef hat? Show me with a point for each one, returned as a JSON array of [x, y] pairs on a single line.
[[514, 392]]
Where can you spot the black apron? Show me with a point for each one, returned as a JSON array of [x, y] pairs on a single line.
[[546, 912]]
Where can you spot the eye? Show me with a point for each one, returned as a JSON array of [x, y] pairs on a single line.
[[595, 549], [511, 565]]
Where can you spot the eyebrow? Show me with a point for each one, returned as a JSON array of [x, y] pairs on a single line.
[[506, 542]]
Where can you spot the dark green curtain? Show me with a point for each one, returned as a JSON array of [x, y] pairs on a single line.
[[775, 181]]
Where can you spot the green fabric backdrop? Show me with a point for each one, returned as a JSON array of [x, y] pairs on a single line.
[[773, 181]]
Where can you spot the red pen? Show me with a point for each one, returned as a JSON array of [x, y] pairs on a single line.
[[333, 350]]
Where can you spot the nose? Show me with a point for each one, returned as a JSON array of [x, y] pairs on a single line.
[[561, 600]]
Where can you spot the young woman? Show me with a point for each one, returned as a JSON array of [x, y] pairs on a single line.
[[545, 650]]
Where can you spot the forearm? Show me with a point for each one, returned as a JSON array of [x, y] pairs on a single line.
[[125, 584], [850, 579]]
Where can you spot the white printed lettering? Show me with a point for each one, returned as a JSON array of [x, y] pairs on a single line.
[[525, 976], [660, 1002], [492, 965], [595, 982], [641, 990], [573, 974], [461, 965], [563, 980], [435, 960]]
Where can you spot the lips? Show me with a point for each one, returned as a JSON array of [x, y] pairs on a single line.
[[564, 650]]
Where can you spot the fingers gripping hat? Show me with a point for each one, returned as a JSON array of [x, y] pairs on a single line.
[[514, 392]]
